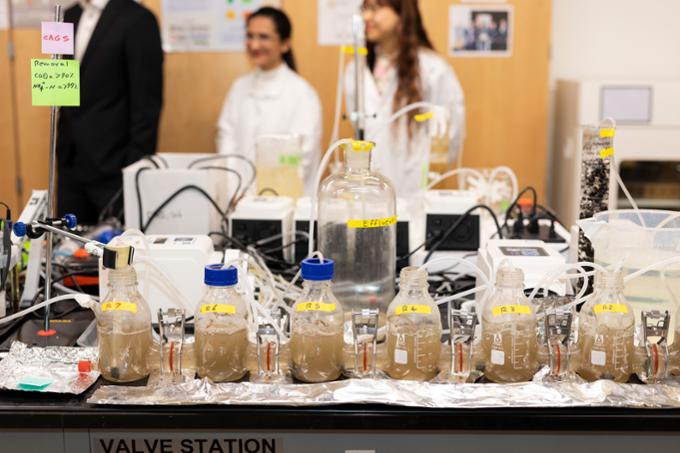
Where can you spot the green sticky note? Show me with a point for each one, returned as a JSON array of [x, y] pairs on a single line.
[[55, 82]]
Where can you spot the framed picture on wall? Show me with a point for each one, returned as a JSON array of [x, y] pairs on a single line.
[[480, 30]]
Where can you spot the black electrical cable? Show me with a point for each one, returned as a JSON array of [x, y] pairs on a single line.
[[459, 222], [152, 157], [232, 201], [6, 244], [139, 197], [268, 189], [179, 191], [453, 227], [225, 156], [109, 205], [516, 200]]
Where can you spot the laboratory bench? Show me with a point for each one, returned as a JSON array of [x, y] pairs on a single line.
[[48, 422]]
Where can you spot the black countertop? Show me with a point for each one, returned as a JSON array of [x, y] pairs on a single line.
[[24, 410]]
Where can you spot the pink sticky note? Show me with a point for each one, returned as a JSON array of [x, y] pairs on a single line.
[[57, 38]]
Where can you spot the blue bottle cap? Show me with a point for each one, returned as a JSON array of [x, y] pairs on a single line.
[[218, 275], [314, 269]]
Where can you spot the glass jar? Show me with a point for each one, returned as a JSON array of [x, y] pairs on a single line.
[[123, 321], [509, 330], [357, 227], [221, 327], [316, 342], [606, 328], [414, 329]]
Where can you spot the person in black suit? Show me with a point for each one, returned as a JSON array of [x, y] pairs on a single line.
[[121, 95]]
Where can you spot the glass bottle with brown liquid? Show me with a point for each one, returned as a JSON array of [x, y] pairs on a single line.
[[316, 342], [509, 330], [123, 321], [414, 329], [221, 327], [606, 326]]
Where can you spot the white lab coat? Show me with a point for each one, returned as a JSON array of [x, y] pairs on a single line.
[[402, 159], [278, 101]]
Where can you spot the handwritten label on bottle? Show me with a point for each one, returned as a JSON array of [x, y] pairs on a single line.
[[372, 223], [119, 306], [407, 309], [610, 308], [315, 306], [218, 308], [511, 310]]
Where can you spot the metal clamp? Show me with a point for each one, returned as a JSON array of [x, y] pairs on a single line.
[[365, 337], [269, 346], [171, 328], [558, 336], [462, 326], [654, 335]]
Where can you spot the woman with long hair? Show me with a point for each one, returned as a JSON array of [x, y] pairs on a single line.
[[273, 99], [402, 69]]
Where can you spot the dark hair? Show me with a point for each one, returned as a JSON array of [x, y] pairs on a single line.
[[283, 28], [412, 37]]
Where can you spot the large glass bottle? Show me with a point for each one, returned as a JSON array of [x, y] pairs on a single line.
[[414, 329], [357, 227], [221, 327], [509, 330], [123, 321], [316, 342], [606, 326]]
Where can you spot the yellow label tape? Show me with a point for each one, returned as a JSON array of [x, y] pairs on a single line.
[[349, 50], [362, 145], [610, 308], [421, 117], [119, 306], [607, 133], [314, 306], [218, 308], [406, 309], [511, 310], [372, 223], [607, 152]]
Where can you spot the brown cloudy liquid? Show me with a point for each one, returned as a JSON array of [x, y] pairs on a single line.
[[510, 351], [221, 354], [606, 353], [123, 356], [413, 352], [316, 357]]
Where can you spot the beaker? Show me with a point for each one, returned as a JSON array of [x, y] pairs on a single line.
[[279, 161], [357, 227]]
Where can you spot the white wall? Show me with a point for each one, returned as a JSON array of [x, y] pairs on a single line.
[[619, 38]]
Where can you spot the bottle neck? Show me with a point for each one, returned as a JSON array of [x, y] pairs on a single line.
[[609, 281], [125, 277], [508, 278], [357, 162], [413, 281], [315, 289], [215, 289]]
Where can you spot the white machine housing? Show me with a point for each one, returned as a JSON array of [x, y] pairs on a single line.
[[259, 217], [648, 129], [182, 259], [534, 257], [190, 212]]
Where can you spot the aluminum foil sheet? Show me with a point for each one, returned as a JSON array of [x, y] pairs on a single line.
[[52, 369], [538, 393]]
